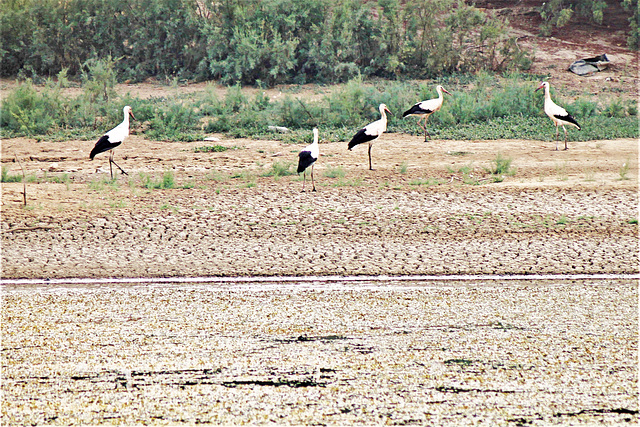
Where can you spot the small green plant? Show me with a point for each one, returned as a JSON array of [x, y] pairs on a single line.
[[279, 169], [633, 221], [561, 171], [403, 167], [165, 183], [501, 167], [210, 149], [6, 177], [563, 220], [334, 172], [624, 170]]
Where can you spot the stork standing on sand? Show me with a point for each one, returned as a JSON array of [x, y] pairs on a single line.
[[308, 157], [371, 132], [426, 108], [558, 114], [113, 138]]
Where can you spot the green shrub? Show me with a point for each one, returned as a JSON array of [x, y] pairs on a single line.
[[6, 177], [210, 149], [167, 181]]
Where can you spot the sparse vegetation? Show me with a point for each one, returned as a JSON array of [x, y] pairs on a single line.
[[210, 149], [512, 111], [624, 170], [7, 177], [501, 167], [334, 172], [279, 169], [167, 181]]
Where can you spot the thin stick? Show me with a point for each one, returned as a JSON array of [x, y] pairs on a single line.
[[24, 181], [305, 110]]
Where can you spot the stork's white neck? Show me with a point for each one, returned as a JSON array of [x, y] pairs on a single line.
[[383, 113]]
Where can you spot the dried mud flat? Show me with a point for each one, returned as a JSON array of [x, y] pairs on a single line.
[[562, 212], [499, 352]]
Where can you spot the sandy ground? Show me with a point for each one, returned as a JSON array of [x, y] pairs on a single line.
[[419, 212]]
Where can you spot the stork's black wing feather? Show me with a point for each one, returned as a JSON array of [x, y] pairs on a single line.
[[567, 118], [103, 145], [306, 160], [416, 110], [361, 137]]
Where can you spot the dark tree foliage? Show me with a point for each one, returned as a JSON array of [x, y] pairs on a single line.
[[261, 42]]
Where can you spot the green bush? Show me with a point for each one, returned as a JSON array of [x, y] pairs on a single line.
[[486, 106], [258, 42]]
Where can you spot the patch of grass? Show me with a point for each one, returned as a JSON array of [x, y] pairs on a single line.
[[403, 167], [633, 221], [165, 183], [501, 166], [101, 185], [279, 169], [425, 181], [7, 177], [624, 170], [334, 172], [561, 171], [355, 182], [210, 149]]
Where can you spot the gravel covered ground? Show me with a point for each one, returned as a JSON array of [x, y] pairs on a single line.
[[430, 353]]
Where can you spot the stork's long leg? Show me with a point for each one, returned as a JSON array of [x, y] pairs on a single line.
[[425, 129], [557, 130], [312, 181], [112, 161], [565, 137], [304, 179], [370, 168]]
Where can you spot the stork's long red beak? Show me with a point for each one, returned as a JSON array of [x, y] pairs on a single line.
[[446, 91], [540, 87], [131, 114]]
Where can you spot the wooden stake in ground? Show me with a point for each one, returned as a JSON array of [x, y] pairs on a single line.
[[24, 180]]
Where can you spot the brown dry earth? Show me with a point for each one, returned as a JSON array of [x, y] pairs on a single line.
[[562, 212]]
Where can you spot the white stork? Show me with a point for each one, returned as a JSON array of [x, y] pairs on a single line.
[[371, 132], [308, 157], [558, 114], [113, 138], [426, 108]]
